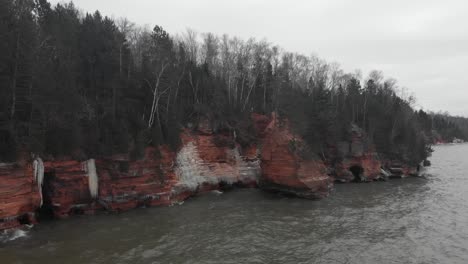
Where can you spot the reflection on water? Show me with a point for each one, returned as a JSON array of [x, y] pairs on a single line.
[[413, 220]]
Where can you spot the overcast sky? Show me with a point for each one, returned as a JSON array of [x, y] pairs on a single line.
[[421, 43]]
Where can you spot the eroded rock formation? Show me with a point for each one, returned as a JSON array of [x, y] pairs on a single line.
[[125, 184], [66, 188], [356, 160], [19, 195], [283, 168], [206, 160]]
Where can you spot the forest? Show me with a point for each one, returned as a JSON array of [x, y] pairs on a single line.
[[85, 85], [447, 127]]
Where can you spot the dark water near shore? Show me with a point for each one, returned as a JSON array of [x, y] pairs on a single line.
[[413, 220]]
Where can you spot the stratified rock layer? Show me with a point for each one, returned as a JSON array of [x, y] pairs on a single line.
[[358, 154], [283, 168], [208, 160], [66, 188], [205, 162], [126, 184], [368, 163], [19, 195], [278, 160]]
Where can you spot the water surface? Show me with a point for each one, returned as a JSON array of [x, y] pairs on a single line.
[[413, 220]]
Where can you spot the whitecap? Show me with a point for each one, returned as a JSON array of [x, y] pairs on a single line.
[[11, 235]]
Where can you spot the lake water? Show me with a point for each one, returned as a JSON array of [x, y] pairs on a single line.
[[412, 220]]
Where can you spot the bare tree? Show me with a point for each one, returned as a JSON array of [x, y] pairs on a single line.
[[210, 52], [190, 40], [156, 95], [127, 28]]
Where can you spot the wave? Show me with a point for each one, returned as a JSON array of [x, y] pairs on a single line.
[[11, 235]]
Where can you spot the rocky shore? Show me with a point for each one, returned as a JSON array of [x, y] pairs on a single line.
[[205, 161]]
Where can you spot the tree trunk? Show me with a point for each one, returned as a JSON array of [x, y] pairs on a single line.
[[155, 96], [178, 85], [364, 112], [114, 101], [14, 77], [250, 91], [264, 97]]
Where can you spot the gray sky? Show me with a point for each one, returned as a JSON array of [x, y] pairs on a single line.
[[421, 43]]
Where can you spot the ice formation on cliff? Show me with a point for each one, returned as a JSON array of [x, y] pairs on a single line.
[[190, 167], [249, 171], [93, 181], [38, 166]]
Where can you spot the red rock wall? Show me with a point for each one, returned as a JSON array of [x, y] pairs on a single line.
[[125, 184], [161, 177], [283, 169], [122, 184], [356, 153], [19, 195], [368, 162], [207, 161], [66, 188]]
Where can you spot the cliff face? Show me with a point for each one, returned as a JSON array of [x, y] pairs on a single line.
[[283, 168], [356, 159], [19, 195], [206, 161], [278, 161], [66, 188], [126, 184], [362, 168]]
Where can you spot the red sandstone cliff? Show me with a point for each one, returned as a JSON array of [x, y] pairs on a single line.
[[283, 168], [356, 159], [66, 188], [205, 161], [19, 195], [125, 184]]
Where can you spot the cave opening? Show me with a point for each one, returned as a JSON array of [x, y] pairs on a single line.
[[76, 211], [357, 172], [24, 219], [46, 211]]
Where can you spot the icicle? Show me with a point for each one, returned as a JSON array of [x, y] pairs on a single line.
[[38, 166], [90, 168], [249, 171]]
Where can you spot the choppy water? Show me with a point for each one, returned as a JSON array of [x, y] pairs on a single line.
[[414, 220]]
